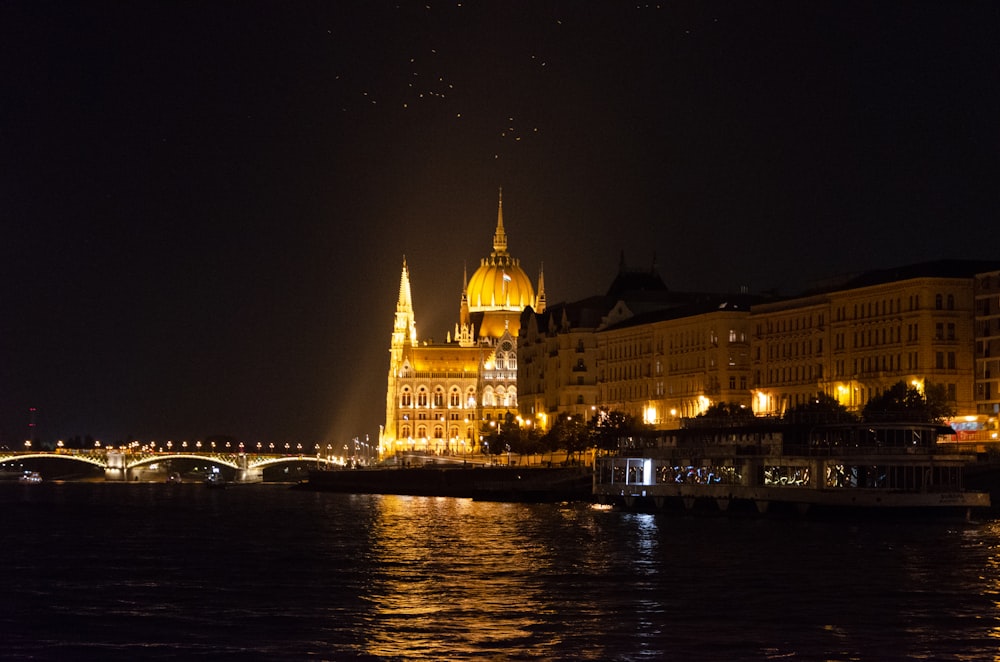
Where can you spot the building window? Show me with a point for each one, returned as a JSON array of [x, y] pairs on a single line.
[[406, 400], [938, 302], [422, 398]]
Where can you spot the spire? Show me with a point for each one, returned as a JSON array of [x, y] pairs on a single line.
[[405, 300], [405, 329], [463, 307], [540, 299], [500, 237]]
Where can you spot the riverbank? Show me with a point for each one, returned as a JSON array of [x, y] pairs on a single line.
[[534, 485]]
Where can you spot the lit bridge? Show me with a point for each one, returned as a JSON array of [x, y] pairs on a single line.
[[117, 464]]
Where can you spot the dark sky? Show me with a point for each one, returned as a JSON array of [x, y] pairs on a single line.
[[205, 205]]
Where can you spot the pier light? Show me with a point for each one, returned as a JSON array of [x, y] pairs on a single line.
[[59, 444], [213, 446], [271, 446], [197, 445], [97, 444], [27, 444], [298, 447], [170, 445], [184, 445], [259, 446]]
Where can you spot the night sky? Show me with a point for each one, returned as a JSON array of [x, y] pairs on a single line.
[[205, 205]]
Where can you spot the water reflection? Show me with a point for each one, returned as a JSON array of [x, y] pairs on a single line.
[[452, 578]]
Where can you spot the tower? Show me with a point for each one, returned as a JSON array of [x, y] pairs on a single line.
[[439, 394]]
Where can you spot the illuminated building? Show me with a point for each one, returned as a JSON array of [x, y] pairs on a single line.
[[987, 334], [439, 395], [912, 324], [671, 357], [614, 351], [669, 364]]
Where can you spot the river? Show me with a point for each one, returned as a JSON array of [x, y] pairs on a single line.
[[109, 571]]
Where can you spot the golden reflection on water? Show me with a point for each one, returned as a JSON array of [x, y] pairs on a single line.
[[990, 535], [457, 578]]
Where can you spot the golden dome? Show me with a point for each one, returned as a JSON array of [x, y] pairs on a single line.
[[500, 283]]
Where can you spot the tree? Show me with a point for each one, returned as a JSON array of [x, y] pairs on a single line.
[[613, 430], [821, 409], [569, 433], [727, 410], [903, 402]]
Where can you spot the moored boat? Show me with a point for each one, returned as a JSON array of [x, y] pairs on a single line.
[[857, 469], [30, 477]]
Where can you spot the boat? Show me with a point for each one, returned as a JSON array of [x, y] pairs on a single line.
[[215, 480], [848, 468], [30, 477]]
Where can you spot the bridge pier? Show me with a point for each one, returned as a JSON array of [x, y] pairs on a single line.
[[116, 470], [247, 474], [244, 475]]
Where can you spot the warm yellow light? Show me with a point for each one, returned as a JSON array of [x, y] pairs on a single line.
[[649, 415]]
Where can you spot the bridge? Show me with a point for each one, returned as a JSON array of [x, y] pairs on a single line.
[[118, 464]]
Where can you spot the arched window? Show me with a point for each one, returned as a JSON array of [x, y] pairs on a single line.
[[422, 432], [404, 431], [501, 397], [454, 398], [406, 399], [438, 432], [438, 397], [488, 397], [422, 397], [470, 398]]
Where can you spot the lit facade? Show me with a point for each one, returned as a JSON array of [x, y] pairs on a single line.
[[932, 323], [557, 362], [987, 334], [439, 395], [913, 325], [664, 366]]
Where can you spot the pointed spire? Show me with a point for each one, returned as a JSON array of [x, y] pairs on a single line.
[[500, 237], [405, 327], [405, 300], [540, 298]]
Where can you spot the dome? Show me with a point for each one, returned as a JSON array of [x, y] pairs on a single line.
[[499, 283]]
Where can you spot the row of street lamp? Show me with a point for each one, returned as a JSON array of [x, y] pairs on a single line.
[[362, 450]]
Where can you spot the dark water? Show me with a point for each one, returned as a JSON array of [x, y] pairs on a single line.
[[116, 571]]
